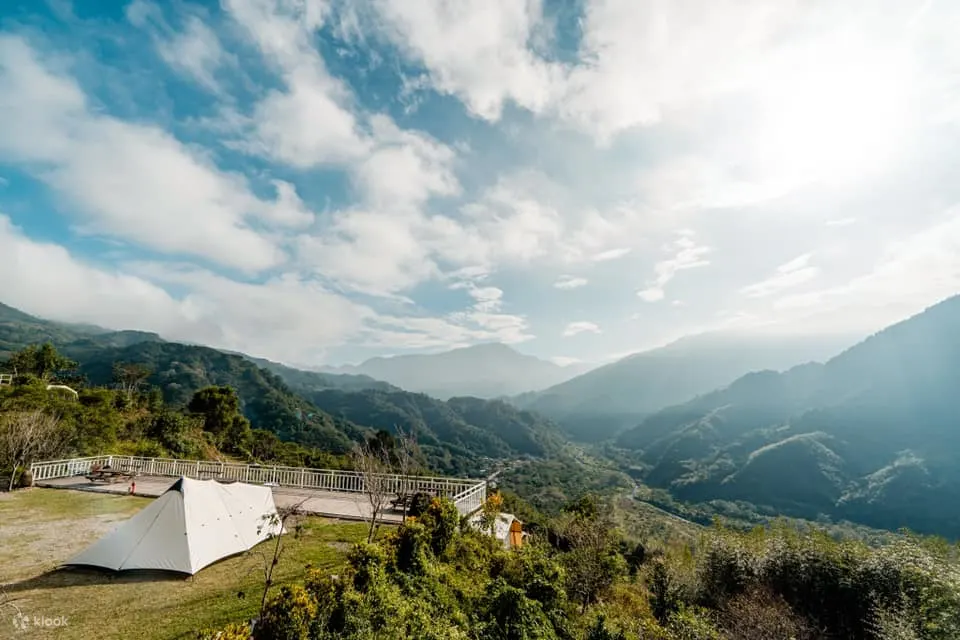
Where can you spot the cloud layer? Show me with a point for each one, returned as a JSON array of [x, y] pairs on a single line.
[[319, 180]]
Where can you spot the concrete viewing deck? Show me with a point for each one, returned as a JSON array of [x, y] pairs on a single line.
[[329, 493], [330, 504]]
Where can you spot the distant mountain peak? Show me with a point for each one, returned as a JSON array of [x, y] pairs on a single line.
[[485, 370]]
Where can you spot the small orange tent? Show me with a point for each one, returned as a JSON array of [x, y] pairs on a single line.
[[516, 533]]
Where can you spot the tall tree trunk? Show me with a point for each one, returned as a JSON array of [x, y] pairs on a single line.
[[373, 526], [13, 476]]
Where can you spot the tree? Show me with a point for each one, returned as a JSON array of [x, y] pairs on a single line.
[[26, 436], [220, 409], [599, 631], [277, 524], [170, 428], [663, 593], [373, 464], [44, 361], [129, 376], [592, 563], [405, 461], [490, 511]]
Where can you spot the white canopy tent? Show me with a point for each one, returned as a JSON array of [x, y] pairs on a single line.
[[192, 525]]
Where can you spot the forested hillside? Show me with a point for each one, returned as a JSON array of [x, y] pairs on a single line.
[[869, 436], [455, 435], [180, 370]]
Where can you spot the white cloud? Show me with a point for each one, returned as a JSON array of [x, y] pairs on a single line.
[[288, 318], [305, 126], [578, 327], [910, 275], [194, 52], [64, 288], [309, 122], [570, 282], [134, 181], [792, 274], [487, 299], [374, 252], [457, 329], [687, 254], [477, 50], [611, 254], [406, 168], [841, 222]]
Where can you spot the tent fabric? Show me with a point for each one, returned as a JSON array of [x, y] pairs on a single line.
[[503, 527], [192, 525]]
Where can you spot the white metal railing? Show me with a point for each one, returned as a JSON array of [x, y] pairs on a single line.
[[467, 494], [471, 499]]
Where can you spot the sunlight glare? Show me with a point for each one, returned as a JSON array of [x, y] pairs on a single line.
[[833, 116]]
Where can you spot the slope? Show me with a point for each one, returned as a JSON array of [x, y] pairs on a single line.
[[179, 370], [462, 435], [600, 403], [19, 329], [868, 436]]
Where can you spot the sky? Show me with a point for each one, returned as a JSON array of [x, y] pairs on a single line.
[[322, 181]]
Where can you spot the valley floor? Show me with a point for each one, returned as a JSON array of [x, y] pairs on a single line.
[[42, 528]]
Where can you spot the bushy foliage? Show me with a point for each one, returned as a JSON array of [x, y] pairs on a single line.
[[289, 616], [757, 585], [441, 519], [846, 588]]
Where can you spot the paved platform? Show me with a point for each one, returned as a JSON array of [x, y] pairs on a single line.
[[343, 506]]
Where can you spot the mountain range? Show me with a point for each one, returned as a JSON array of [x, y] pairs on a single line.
[[871, 435], [490, 370], [322, 410], [599, 403]]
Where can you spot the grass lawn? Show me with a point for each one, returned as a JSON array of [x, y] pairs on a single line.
[[40, 528]]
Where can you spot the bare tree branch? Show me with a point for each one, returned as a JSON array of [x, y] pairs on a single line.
[[373, 465], [407, 463], [277, 523], [26, 436]]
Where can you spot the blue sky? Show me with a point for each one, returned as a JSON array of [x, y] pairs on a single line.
[[320, 181]]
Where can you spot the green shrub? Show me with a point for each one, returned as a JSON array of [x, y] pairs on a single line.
[[419, 503], [441, 521], [368, 562], [412, 546], [289, 615], [693, 623], [508, 614]]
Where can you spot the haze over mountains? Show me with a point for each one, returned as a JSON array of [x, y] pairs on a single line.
[[482, 371], [597, 404]]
